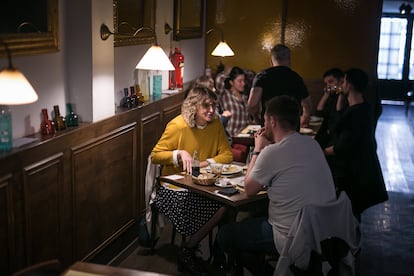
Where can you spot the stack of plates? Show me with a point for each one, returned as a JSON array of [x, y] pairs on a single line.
[[305, 130]]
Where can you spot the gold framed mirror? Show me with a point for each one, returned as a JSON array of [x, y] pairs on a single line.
[[188, 19], [129, 16], [29, 28]]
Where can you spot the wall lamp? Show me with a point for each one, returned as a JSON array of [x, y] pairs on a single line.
[[222, 49], [155, 57], [14, 87], [405, 8]]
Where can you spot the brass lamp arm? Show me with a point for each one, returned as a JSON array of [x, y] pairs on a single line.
[[8, 52], [106, 33], [216, 28]]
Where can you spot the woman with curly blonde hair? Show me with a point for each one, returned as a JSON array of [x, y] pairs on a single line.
[[197, 129]]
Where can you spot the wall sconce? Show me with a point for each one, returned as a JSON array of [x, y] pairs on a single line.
[[222, 49], [405, 8], [154, 59], [14, 87]]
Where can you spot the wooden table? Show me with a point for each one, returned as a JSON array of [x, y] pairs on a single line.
[[212, 192], [89, 269], [246, 136]]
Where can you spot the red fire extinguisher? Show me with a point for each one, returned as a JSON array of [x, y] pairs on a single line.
[[171, 74], [177, 60]]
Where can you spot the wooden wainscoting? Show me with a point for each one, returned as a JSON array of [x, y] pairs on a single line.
[[77, 195]]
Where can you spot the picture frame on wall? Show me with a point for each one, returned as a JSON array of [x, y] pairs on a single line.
[[188, 19], [131, 15]]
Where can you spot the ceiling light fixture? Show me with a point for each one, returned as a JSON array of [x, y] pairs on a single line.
[[405, 9], [222, 49]]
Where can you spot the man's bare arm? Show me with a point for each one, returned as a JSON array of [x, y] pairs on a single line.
[[253, 103]]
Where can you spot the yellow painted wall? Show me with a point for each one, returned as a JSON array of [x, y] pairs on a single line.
[[321, 33]]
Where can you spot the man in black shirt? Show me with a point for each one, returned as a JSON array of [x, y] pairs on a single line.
[[276, 81]]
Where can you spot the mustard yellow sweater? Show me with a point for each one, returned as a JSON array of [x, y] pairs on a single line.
[[210, 142]]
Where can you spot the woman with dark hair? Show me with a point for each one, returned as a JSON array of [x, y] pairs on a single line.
[[197, 129], [234, 100], [352, 157]]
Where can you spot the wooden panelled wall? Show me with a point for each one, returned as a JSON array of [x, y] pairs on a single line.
[[76, 195]]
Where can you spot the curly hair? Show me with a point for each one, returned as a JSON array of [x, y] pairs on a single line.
[[196, 97]]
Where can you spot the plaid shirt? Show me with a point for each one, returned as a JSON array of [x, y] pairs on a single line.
[[219, 82], [240, 116]]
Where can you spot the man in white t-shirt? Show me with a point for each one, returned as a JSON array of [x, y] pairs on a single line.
[[293, 170]]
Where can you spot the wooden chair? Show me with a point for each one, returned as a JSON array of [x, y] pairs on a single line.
[[334, 250], [322, 232], [49, 267]]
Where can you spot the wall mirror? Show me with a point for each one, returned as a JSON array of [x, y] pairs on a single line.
[[129, 16], [29, 27], [188, 19]]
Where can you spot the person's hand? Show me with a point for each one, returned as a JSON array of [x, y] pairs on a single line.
[[186, 160], [329, 150], [226, 114], [304, 120], [260, 140]]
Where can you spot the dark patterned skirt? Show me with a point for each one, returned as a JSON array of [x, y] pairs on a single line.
[[187, 211]]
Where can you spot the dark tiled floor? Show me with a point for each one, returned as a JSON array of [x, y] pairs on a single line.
[[387, 229]]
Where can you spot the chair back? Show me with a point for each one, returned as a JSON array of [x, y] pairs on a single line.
[[151, 181], [329, 230]]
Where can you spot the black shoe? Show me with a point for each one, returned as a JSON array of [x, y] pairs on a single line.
[[188, 262]]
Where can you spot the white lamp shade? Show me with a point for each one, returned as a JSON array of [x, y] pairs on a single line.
[[15, 88], [222, 50], [155, 59]]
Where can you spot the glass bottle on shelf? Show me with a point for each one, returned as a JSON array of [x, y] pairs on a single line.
[[133, 97], [139, 95], [126, 100], [6, 138], [195, 164], [46, 126], [71, 118], [59, 119], [143, 84]]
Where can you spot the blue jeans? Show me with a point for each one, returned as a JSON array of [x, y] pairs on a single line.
[[246, 241]]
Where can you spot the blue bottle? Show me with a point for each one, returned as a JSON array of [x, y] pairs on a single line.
[[6, 137]]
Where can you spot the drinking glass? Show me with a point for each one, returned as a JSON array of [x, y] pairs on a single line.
[[216, 169]]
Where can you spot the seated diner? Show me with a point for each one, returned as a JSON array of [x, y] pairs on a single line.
[[293, 170], [197, 129]]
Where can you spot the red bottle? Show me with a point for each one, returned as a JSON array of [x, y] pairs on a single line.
[[178, 62], [46, 126]]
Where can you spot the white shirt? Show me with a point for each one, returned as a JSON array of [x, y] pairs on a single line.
[[295, 173]]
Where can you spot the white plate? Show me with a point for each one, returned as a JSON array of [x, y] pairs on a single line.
[[224, 183], [228, 169], [315, 119], [239, 181], [305, 130], [231, 169]]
